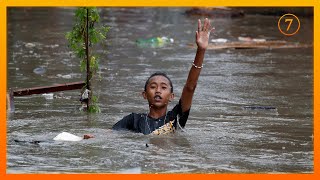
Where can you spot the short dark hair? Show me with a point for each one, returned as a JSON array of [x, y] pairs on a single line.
[[158, 74]]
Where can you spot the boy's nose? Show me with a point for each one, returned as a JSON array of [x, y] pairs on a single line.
[[158, 90]]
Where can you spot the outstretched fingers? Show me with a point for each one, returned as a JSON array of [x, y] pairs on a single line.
[[199, 25], [206, 24], [197, 34], [203, 33], [209, 28]]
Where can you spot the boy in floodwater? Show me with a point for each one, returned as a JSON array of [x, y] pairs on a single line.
[[158, 90]]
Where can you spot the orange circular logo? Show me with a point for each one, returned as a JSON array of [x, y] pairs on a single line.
[[289, 24]]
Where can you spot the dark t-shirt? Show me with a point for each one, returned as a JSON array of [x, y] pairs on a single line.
[[142, 123]]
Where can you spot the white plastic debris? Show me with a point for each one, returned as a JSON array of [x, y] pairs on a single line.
[[247, 39], [219, 40], [259, 40], [85, 94], [48, 95], [30, 45], [64, 136], [68, 76]]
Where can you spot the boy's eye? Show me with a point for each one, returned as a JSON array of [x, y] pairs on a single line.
[[164, 88]]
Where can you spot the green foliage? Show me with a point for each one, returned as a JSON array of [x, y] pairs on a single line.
[[94, 108], [77, 38]]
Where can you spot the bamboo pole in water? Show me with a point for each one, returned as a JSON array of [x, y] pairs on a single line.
[[40, 90], [88, 59], [48, 89]]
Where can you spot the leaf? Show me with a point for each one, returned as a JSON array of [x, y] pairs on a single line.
[[83, 65]]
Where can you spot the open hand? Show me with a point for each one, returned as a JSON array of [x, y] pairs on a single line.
[[203, 33]]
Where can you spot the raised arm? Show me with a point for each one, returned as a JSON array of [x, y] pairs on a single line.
[[202, 40]]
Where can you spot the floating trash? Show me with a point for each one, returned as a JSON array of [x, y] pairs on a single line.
[[249, 39], [52, 46], [39, 70], [219, 40], [258, 40], [85, 95], [48, 95], [64, 136], [30, 45], [67, 76], [31, 142], [244, 38], [61, 96], [154, 42]]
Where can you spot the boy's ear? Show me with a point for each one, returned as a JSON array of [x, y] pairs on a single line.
[[171, 97], [144, 95]]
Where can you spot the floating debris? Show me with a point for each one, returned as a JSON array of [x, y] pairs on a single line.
[[39, 70], [219, 40], [85, 95], [29, 45], [67, 76], [84, 100], [31, 142], [249, 39], [64, 136], [61, 96], [48, 96], [154, 42], [52, 46]]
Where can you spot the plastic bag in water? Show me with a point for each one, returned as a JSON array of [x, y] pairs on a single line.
[[64, 136]]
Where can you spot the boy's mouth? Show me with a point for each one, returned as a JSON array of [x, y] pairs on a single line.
[[157, 97]]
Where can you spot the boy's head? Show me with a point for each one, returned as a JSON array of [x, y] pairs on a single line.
[[158, 74], [158, 90]]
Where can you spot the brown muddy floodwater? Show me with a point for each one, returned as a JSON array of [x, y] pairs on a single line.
[[221, 135]]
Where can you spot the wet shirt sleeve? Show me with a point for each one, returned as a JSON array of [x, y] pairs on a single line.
[[183, 116], [126, 123]]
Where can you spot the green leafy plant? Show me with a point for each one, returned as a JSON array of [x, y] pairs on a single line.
[[82, 38]]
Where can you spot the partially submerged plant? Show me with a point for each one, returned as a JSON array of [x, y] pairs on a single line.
[[81, 39]]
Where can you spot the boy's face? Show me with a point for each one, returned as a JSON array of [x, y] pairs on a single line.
[[158, 92]]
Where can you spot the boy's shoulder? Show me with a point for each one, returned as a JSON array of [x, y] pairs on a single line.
[[134, 115], [139, 115]]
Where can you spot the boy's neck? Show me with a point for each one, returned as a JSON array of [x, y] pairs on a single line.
[[157, 113]]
